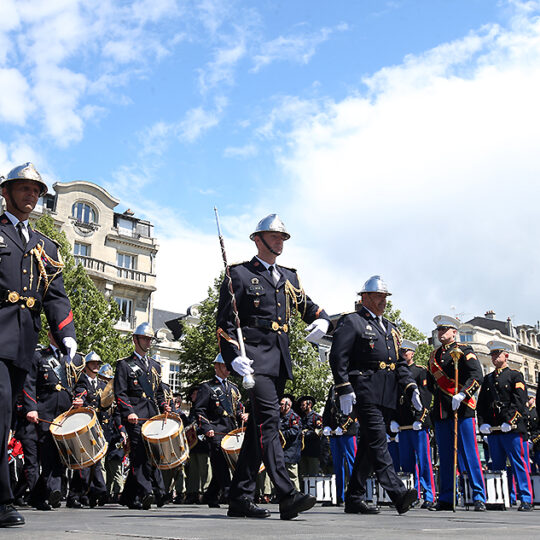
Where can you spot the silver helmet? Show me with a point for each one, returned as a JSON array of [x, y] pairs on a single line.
[[375, 284], [144, 329], [92, 356], [106, 371], [27, 171], [271, 223]]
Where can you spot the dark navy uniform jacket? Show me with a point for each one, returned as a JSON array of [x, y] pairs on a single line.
[[362, 350], [312, 441], [533, 426], [291, 434], [130, 395], [44, 390], [503, 399], [217, 408], [261, 303], [333, 417], [20, 273], [470, 377], [406, 413]]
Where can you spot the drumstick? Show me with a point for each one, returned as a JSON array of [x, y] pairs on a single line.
[[48, 422]]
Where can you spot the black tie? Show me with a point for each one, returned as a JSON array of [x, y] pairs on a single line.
[[21, 234], [271, 270]]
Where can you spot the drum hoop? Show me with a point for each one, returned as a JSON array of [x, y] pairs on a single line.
[[71, 434], [158, 418]]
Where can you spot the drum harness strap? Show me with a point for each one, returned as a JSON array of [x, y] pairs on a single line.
[[142, 377], [220, 396]]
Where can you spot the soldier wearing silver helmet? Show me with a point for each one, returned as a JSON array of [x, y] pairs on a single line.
[[30, 279], [369, 371], [88, 485], [139, 394], [266, 296]]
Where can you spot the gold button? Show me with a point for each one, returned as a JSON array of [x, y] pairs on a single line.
[[279, 305], [279, 318], [26, 254], [25, 271], [279, 331], [22, 306], [389, 358], [25, 288], [277, 290]]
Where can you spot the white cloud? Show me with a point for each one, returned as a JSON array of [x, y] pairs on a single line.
[[15, 104], [295, 48], [243, 152], [220, 70]]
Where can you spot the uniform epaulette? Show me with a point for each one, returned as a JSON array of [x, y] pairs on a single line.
[[55, 242], [237, 264], [288, 268]]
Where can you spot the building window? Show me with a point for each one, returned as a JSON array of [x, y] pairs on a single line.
[[125, 226], [126, 307], [127, 262], [465, 337], [83, 213], [81, 249], [174, 377], [527, 373]]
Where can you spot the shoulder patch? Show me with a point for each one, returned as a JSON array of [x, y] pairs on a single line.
[[237, 264], [519, 384], [55, 242], [288, 268]]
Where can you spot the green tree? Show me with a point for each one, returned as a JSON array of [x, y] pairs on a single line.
[[93, 315], [409, 332], [199, 348]]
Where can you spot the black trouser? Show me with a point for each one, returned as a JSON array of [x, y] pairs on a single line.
[[262, 442], [52, 468], [31, 463], [372, 456], [11, 383], [87, 481], [221, 477]]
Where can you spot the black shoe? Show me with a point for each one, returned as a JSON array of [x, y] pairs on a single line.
[[479, 506], [190, 499], [428, 505], [54, 498], [9, 517], [291, 506], [147, 501], [161, 500], [43, 506], [328, 503], [179, 499], [443, 505], [102, 499], [19, 501], [213, 504], [85, 501], [526, 507], [360, 507], [408, 499], [73, 503], [245, 508]]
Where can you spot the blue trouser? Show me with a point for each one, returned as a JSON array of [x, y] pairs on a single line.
[[512, 446], [468, 457], [393, 448], [415, 457], [343, 450]]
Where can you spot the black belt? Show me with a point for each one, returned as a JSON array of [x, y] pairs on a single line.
[[376, 366], [259, 322], [13, 297]]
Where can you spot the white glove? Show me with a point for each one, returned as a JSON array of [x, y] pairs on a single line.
[[339, 431], [505, 428], [415, 399], [485, 429], [327, 431], [71, 346], [394, 426], [388, 438], [346, 402], [317, 330], [396, 438], [456, 400], [417, 426], [242, 365]]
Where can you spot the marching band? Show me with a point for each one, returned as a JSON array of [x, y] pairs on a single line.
[[74, 429]]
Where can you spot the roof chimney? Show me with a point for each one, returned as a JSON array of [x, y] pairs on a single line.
[[490, 314]]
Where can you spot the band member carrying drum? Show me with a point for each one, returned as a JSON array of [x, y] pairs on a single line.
[[89, 481], [218, 411], [139, 395], [47, 393]]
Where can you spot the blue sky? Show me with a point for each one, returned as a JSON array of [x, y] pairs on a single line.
[[394, 137]]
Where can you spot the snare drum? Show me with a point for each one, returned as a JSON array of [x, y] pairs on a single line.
[[79, 438], [191, 435], [165, 441], [231, 445]]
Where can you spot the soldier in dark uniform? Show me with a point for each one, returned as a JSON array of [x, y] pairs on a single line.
[[502, 415], [218, 411], [368, 370], [413, 426], [291, 437], [30, 278], [533, 427], [442, 366], [266, 295], [310, 459], [139, 394], [47, 393], [89, 481], [342, 430]]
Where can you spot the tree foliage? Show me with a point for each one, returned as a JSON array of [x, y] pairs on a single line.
[[94, 316], [409, 332]]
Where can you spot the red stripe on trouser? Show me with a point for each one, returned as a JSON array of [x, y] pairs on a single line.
[[529, 485]]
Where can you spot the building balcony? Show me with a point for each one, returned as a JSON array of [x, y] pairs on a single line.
[[116, 274]]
